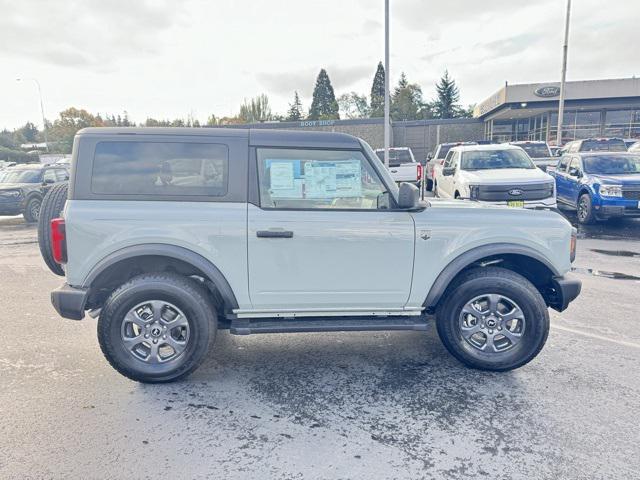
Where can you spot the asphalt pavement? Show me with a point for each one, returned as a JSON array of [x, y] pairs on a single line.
[[358, 405]]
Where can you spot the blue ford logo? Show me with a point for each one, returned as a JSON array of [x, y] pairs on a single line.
[[514, 192], [549, 91]]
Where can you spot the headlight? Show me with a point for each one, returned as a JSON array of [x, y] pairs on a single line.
[[474, 191], [611, 190], [11, 194]]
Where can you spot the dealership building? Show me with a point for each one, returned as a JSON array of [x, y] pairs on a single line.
[[593, 108]]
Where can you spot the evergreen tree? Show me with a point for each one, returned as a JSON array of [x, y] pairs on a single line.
[[324, 104], [295, 109], [377, 93], [448, 96]]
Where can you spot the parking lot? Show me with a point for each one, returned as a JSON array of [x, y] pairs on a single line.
[[357, 405]]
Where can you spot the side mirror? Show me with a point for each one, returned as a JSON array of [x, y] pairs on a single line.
[[48, 181], [574, 172], [429, 156], [382, 202], [448, 171], [409, 196]]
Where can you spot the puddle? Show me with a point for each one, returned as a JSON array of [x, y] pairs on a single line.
[[602, 273], [617, 253]]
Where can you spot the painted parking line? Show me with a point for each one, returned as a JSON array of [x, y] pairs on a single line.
[[596, 336]]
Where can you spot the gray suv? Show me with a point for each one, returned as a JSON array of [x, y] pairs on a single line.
[[170, 234]]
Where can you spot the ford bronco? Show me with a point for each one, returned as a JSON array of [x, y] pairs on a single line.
[[169, 234]]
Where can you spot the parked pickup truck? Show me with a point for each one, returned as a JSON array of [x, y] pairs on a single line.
[[169, 234], [599, 185], [436, 159], [539, 152], [496, 174], [402, 165]]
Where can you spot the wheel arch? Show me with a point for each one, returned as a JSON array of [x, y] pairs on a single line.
[[519, 258], [136, 259]]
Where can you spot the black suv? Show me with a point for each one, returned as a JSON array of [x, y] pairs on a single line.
[[23, 186]]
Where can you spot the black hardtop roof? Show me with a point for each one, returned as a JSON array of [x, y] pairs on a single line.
[[257, 136]]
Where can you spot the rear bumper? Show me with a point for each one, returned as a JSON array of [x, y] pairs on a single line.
[[70, 301], [566, 289]]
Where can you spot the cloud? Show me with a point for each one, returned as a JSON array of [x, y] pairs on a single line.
[[91, 33], [284, 83]]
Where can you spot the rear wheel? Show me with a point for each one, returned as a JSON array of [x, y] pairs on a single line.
[[493, 319], [32, 209], [157, 327], [52, 206], [585, 209]]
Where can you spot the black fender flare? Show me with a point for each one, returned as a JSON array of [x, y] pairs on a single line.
[[172, 251], [467, 258]]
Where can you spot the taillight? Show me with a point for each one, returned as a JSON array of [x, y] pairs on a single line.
[[58, 240], [419, 172]]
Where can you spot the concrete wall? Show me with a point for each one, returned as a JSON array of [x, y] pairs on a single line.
[[420, 135]]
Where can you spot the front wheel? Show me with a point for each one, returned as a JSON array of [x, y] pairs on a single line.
[[32, 210], [157, 327], [493, 319], [585, 209]]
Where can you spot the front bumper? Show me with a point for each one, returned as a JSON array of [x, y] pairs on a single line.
[[545, 203], [565, 290], [617, 208], [11, 206], [70, 301]]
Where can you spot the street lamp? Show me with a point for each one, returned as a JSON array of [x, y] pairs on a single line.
[[565, 48], [386, 84], [44, 122]]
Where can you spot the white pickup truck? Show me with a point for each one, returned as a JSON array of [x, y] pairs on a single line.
[[402, 165], [494, 174]]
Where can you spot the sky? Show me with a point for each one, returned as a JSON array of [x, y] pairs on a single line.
[[192, 58]]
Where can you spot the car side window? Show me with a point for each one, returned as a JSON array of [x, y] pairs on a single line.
[[49, 176], [574, 167], [318, 179], [61, 175], [564, 161], [448, 159]]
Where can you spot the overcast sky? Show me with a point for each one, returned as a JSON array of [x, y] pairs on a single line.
[[168, 58]]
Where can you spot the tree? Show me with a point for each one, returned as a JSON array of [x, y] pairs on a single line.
[[353, 105], [295, 109], [324, 105], [27, 133], [65, 127], [406, 101], [446, 103], [377, 93], [256, 110]]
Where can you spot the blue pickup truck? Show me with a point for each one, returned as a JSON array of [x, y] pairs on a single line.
[[599, 185]]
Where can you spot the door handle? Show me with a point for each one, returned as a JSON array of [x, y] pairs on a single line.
[[274, 234]]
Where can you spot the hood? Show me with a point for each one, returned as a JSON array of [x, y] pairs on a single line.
[[623, 178], [18, 186], [506, 176]]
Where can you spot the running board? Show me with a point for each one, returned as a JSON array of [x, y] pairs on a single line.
[[247, 326]]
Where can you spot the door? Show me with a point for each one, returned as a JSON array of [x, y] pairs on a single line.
[[446, 183], [573, 178], [562, 184], [323, 238]]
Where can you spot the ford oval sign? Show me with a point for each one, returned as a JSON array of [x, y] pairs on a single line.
[[515, 192], [549, 91]]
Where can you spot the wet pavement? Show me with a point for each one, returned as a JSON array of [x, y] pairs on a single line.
[[358, 405]]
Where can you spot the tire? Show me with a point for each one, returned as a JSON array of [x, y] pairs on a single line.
[[52, 205], [32, 209], [502, 353], [186, 297], [585, 210]]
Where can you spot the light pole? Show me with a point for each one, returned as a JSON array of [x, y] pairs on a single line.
[[44, 122], [565, 48], [386, 84]]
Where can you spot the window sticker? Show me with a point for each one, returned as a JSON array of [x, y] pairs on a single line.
[[285, 178]]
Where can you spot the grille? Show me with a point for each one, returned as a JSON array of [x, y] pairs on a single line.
[[498, 193], [631, 193]]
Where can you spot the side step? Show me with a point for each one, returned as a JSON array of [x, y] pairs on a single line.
[[247, 326]]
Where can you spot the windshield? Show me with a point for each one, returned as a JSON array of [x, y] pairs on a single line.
[[444, 149], [536, 150], [492, 159], [611, 164], [21, 176], [606, 145], [396, 157]]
